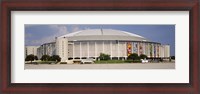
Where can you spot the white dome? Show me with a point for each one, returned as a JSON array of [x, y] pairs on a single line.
[[103, 34]]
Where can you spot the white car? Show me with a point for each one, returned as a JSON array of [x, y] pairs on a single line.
[[144, 60], [87, 61]]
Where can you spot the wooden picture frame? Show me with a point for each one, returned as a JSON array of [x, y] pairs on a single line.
[[193, 87]]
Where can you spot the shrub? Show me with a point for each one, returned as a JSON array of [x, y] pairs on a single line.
[[142, 56], [132, 61], [55, 58], [104, 56], [45, 58], [35, 57], [133, 56], [30, 57]]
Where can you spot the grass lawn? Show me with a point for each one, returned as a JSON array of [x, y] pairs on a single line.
[[41, 62], [46, 62], [96, 62], [116, 61]]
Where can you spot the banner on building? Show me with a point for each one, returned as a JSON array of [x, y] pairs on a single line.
[[129, 48], [140, 49], [135, 48]]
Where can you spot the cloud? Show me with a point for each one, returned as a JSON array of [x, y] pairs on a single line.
[[58, 30], [75, 28], [86, 28]]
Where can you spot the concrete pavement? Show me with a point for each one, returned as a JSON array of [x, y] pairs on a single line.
[[103, 66]]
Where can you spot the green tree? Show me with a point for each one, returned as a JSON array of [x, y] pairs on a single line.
[[30, 58], [104, 56], [45, 58], [35, 58], [55, 58], [142, 56], [133, 56]]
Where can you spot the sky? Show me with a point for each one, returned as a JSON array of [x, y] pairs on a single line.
[[36, 34]]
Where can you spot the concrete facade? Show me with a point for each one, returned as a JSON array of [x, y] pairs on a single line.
[[62, 48], [31, 50], [46, 49], [90, 43]]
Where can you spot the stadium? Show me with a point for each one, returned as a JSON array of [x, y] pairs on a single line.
[[90, 43]]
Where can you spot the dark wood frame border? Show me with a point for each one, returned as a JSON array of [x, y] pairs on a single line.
[[99, 5]]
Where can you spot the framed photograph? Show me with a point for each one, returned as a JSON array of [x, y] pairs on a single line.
[[106, 47]]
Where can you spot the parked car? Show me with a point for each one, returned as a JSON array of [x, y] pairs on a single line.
[[87, 61], [144, 60]]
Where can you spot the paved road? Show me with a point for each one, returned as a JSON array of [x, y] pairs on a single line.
[[103, 66]]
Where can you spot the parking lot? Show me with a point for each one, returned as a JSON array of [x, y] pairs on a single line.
[[103, 66]]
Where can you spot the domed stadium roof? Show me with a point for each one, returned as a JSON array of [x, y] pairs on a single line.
[[103, 34]]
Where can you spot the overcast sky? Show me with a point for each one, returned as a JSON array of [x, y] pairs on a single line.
[[36, 35]]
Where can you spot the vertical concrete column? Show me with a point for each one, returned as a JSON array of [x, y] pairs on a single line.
[[103, 47], [153, 50], [144, 48], [80, 51], [62, 48], [95, 47], [88, 49], [125, 52], [111, 50], [166, 51], [163, 49], [138, 47], [156, 50], [73, 51], [118, 49], [148, 51], [159, 51], [132, 47]]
